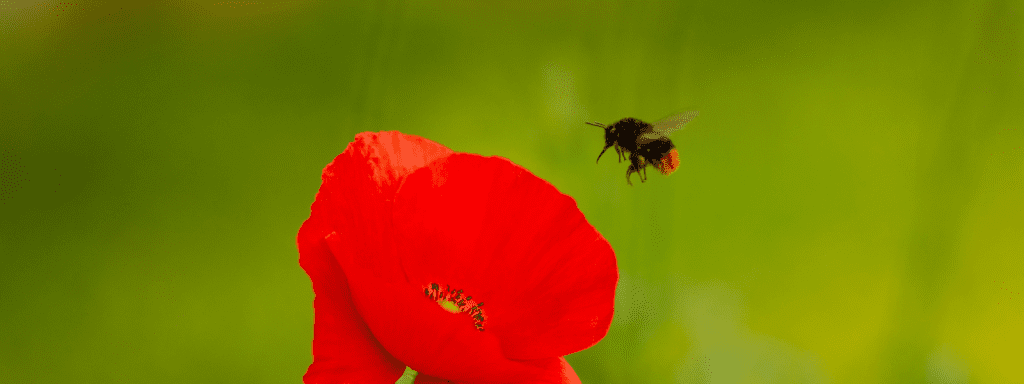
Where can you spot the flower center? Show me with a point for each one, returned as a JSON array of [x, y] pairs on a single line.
[[453, 301]]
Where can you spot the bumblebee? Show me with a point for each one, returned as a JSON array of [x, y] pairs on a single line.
[[644, 143]]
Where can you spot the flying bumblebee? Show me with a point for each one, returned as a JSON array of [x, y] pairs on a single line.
[[646, 144]]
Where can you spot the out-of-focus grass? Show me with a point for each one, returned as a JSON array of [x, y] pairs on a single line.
[[848, 207]]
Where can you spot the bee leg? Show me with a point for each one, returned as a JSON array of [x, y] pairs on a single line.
[[636, 164], [634, 167], [602, 153]]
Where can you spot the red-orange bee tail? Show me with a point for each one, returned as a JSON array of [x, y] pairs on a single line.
[[669, 163]]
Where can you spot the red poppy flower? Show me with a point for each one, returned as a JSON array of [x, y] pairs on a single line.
[[465, 268]]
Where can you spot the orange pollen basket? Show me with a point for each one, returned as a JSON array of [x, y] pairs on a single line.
[[669, 162], [462, 304]]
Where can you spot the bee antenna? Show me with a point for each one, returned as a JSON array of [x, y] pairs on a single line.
[[597, 124]]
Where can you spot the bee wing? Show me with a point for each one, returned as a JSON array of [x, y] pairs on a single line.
[[648, 136], [672, 123]]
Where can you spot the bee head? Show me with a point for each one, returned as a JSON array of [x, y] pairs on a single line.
[[610, 136]]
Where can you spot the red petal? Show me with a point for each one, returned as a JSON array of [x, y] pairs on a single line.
[[562, 306], [358, 187], [344, 350], [566, 375], [420, 333], [427, 379], [512, 241]]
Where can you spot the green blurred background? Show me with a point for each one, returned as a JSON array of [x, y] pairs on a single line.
[[849, 206]]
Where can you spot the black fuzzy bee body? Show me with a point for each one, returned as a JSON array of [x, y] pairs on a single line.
[[644, 143]]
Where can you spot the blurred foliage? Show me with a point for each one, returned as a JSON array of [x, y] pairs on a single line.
[[849, 206]]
